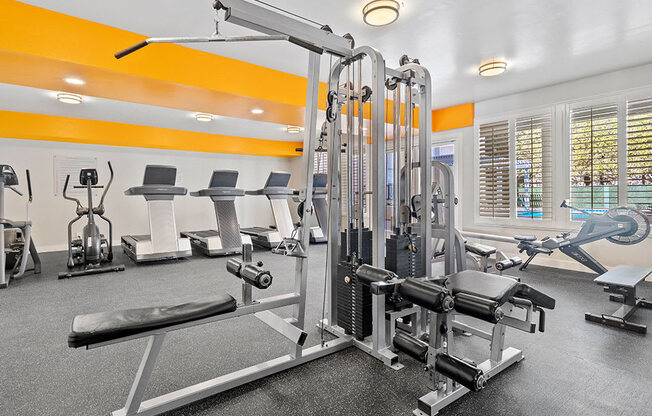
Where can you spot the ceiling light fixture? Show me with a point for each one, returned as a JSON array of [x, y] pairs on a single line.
[[293, 129], [257, 111], [204, 117], [68, 98], [74, 81], [380, 12], [492, 68]]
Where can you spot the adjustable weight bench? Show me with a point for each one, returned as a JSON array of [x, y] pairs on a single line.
[[106, 328], [621, 282]]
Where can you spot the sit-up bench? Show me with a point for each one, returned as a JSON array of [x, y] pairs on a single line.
[[621, 282], [106, 328]]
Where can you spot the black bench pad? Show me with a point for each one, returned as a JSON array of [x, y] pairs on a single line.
[[480, 249], [625, 276], [496, 288], [106, 326]]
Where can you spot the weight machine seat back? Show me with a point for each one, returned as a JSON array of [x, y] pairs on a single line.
[[496, 288], [8, 175], [480, 249], [108, 326]]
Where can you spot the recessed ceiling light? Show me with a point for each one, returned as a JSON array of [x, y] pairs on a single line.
[[257, 111], [204, 117], [68, 98], [492, 68], [380, 12], [293, 129], [74, 81]]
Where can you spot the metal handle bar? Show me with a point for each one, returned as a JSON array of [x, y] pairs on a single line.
[[65, 188], [108, 184]]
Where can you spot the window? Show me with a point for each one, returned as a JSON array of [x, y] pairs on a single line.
[[494, 197], [594, 158], [639, 155], [533, 167]]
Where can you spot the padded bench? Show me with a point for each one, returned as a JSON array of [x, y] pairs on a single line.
[[108, 326], [621, 282]]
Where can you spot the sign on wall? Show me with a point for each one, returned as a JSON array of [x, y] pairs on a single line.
[[67, 165]]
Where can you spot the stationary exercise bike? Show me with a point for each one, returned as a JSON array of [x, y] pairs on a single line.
[[622, 225], [87, 253]]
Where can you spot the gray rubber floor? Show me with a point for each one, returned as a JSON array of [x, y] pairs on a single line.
[[574, 368]]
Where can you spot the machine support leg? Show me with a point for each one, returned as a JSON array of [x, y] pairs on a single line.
[[144, 372]]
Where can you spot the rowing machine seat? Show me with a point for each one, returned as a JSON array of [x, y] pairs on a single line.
[[107, 326], [525, 237], [496, 288]]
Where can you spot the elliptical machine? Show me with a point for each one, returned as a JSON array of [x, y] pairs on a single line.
[[16, 242], [87, 253]]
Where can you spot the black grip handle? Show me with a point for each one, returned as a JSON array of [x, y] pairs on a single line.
[[542, 319], [131, 49], [306, 45], [29, 185]]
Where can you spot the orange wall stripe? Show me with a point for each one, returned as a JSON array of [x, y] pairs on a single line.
[[34, 71], [453, 117], [29, 126], [37, 31]]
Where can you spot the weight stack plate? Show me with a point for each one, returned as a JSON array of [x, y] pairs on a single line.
[[353, 302], [366, 245], [402, 261]]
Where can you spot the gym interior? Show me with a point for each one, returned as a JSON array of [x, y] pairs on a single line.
[[360, 207]]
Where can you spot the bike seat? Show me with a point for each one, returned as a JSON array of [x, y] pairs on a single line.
[[525, 237]]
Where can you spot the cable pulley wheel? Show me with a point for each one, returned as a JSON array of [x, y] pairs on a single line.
[[639, 225]]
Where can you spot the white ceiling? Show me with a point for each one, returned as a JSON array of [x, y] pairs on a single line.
[[544, 42]]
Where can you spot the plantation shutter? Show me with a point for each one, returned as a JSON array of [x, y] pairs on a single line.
[[594, 158], [494, 196], [534, 167], [639, 155]]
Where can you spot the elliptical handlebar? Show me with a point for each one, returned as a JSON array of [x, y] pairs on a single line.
[[69, 198], [29, 185], [108, 185]]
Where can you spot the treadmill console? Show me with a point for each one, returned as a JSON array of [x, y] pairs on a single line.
[[160, 175], [8, 175]]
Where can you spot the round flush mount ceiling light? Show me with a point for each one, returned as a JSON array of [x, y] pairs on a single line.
[[204, 117], [293, 129], [74, 81], [257, 111], [492, 68], [68, 98], [380, 12]]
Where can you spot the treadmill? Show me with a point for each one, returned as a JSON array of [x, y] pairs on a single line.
[[277, 191], [227, 238], [164, 242], [320, 205]]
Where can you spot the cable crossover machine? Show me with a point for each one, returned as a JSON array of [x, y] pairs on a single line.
[[380, 294]]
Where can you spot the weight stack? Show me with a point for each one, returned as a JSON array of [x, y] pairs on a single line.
[[402, 261], [366, 245], [353, 302]]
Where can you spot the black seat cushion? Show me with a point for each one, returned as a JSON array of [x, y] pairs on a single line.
[[496, 288], [106, 326], [525, 237]]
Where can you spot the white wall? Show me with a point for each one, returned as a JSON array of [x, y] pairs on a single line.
[[50, 215], [558, 98]]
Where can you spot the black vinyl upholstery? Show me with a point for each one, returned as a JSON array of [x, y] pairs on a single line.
[[496, 288], [106, 326]]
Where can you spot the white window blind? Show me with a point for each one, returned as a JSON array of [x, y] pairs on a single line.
[[639, 155], [534, 167], [594, 158], [494, 196]]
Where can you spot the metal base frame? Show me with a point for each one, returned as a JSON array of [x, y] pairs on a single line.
[[619, 318], [187, 395], [131, 252], [431, 403]]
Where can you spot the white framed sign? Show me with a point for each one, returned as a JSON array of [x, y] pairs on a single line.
[[67, 165]]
